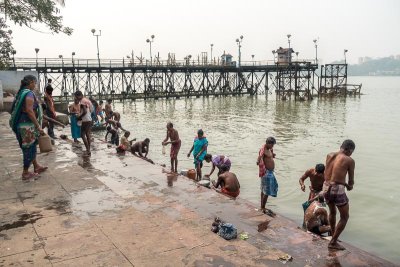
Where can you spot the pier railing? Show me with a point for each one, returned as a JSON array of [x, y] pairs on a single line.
[[32, 63]]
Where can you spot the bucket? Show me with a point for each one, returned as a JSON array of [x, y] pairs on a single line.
[[45, 143], [191, 174], [184, 172]]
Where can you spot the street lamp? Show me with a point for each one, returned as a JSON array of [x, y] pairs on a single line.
[[62, 60], [73, 64], [97, 40], [289, 53], [252, 58], [151, 41], [37, 51], [316, 51], [211, 45], [345, 51], [239, 43], [297, 56], [13, 53], [274, 52]]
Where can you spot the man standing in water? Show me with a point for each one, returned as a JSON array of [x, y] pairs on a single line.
[[266, 165], [338, 165], [175, 142], [316, 179]]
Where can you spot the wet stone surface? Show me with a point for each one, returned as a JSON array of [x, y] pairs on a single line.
[[110, 210]]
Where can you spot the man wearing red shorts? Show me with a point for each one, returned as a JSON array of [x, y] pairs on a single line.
[[175, 142]]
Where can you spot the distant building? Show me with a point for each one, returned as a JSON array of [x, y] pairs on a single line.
[[362, 60], [284, 55], [226, 59]]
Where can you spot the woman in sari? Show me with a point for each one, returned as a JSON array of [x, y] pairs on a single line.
[[199, 149], [74, 111], [26, 121]]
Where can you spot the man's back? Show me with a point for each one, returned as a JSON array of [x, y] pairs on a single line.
[[231, 183]]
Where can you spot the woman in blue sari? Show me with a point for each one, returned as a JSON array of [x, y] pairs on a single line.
[[199, 149], [26, 122]]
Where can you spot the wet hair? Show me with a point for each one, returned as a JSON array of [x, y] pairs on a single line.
[[170, 124], [49, 80], [127, 133], [200, 132], [101, 102], [147, 140], [208, 157], [348, 145], [78, 93], [320, 168], [109, 100], [270, 140], [27, 80], [224, 168]]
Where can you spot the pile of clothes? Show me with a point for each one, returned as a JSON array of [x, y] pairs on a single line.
[[225, 230]]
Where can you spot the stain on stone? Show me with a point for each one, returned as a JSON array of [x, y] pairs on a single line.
[[60, 206], [23, 219], [228, 248], [4, 237], [263, 226], [24, 195], [213, 261]]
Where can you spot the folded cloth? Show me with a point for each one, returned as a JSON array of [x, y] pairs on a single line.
[[227, 231]]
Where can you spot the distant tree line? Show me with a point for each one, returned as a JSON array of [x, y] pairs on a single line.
[[387, 66]]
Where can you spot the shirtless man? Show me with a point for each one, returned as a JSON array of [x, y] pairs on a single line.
[[116, 116], [316, 176], [229, 183], [316, 217], [175, 142], [141, 147], [266, 165], [338, 165]]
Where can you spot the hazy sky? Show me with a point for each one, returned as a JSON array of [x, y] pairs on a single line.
[[364, 27]]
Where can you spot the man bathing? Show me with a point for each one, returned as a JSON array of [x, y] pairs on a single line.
[[338, 165], [229, 183], [175, 142], [141, 148], [266, 166], [316, 176], [316, 217]]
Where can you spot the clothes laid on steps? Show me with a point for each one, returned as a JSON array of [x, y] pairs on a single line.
[[227, 231]]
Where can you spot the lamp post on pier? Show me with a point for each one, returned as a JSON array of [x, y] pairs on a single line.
[[345, 51], [73, 63], [211, 58], [97, 41], [289, 53], [273, 53], [239, 43], [252, 58], [37, 51], [316, 51], [297, 56], [13, 53], [62, 60], [150, 41]]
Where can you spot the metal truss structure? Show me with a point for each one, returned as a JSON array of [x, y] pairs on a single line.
[[333, 80], [118, 80]]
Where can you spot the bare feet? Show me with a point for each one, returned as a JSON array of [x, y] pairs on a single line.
[[29, 175], [40, 169], [336, 246]]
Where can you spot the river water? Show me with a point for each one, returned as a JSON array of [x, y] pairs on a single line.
[[305, 133]]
